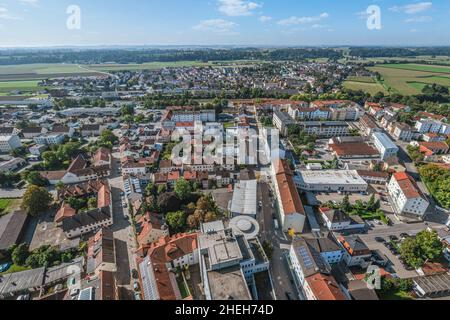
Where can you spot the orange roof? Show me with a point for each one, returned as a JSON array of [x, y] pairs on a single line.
[[184, 124], [436, 145], [102, 154], [325, 287], [104, 197], [190, 175], [290, 199], [66, 211], [407, 185], [174, 175]]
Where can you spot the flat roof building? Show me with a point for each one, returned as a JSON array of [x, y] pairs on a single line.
[[244, 198], [384, 145], [331, 181]]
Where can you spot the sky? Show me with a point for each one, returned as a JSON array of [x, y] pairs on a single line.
[[31, 23]]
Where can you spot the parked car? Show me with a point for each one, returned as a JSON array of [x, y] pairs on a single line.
[[136, 286], [393, 238], [134, 274], [380, 240]]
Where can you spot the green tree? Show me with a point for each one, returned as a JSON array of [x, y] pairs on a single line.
[[36, 200], [34, 177], [426, 246], [183, 189], [51, 160], [176, 221], [20, 254], [92, 203]]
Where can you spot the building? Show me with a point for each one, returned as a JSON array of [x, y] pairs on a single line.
[[290, 206], [150, 228], [9, 143], [101, 253], [402, 131], [353, 150], [368, 125], [192, 116], [313, 273], [50, 139], [38, 149], [374, 177], [434, 286], [75, 224], [328, 248], [356, 254], [337, 220], [65, 130], [331, 181], [244, 198], [91, 112], [406, 197], [158, 261], [32, 132], [384, 145], [12, 228], [282, 121], [91, 130], [426, 125], [326, 129], [228, 262]]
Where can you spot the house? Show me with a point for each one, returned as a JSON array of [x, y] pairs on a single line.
[[368, 125], [65, 130], [38, 149], [356, 251], [433, 137], [9, 143], [282, 121], [432, 150], [149, 229], [406, 197], [32, 132], [291, 208], [402, 131], [101, 253], [157, 261], [12, 228], [50, 139], [12, 165], [328, 248], [91, 130], [102, 157], [8, 131], [374, 177], [335, 219]]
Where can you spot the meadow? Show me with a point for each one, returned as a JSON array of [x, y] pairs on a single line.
[[366, 84]]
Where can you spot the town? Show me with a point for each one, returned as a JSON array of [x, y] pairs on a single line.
[[343, 188]]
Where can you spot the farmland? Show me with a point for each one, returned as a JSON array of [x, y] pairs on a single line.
[[409, 79], [366, 84], [24, 86], [145, 66], [8, 205]]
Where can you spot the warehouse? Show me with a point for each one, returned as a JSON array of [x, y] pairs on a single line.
[[331, 181], [244, 199]]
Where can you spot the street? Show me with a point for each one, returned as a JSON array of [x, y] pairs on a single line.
[[123, 233]]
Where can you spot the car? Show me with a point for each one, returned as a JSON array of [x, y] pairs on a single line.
[[137, 296], [136, 286], [122, 194], [134, 274], [380, 240], [260, 204], [405, 235], [393, 238]]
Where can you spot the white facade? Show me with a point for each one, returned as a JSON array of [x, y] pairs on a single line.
[[49, 139], [428, 125], [406, 199], [331, 181], [9, 143], [327, 129], [203, 116], [384, 145]]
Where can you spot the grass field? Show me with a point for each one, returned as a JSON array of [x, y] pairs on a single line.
[[372, 88], [8, 205], [410, 79], [24, 86], [361, 79]]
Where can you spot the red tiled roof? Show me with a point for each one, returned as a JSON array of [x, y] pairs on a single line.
[[325, 287], [66, 211], [407, 185]]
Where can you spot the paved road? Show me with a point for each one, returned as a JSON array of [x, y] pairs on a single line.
[[124, 236], [279, 269]]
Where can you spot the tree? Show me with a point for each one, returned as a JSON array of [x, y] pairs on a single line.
[[168, 202], [183, 189], [108, 137], [36, 200], [176, 221], [20, 254], [92, 203], [34, 177], [426, 246], [345, 204], [51, 160], [268, 249]]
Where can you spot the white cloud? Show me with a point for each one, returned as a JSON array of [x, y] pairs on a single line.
[[216, 25], [235, 8], [265, 18], [303, 20], [413, 7], [419, 19], [30, 2]]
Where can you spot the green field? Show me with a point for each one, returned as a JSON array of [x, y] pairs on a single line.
[[8, 205], [372, 88], [23, 86], [361, 79], [410, 79]]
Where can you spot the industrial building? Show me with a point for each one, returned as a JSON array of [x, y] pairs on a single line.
[[331, 181]]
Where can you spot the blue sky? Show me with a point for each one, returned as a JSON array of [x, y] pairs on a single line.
[[220, 22]]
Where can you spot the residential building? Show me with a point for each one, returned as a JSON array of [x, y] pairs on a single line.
[[402, 131], [357, 254], [384, 145], [282, 121], [325, 129], [12, 165], [290, 205], [9, 143], [50, 139], [150, 228], [38, 149], [91, 130], [32, 132], [406, 197], [368, 125]]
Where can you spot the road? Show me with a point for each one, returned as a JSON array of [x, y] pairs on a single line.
[[279, 269], [125, 240]]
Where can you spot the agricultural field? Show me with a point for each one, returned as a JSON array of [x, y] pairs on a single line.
[[23, 86], [366, 84], [410, 79], [145, 66]]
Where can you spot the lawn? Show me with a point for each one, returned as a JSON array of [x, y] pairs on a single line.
[[15, 268], [145, 66], [184, 290], [395, 295], [29, 86], [419, 67], [361, 79], [7, 205]]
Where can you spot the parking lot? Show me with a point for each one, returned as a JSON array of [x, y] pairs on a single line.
[[385, 232]]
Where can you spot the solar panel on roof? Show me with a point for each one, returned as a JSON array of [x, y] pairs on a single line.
[[305, 257]]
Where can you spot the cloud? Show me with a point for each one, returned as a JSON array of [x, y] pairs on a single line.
[[303, 20], [265, 19], [216, 25], [235, 8], [413, 7], [30, 2], [419, 19]]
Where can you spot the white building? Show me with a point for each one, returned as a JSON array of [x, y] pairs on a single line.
[[192, 116], [327, 129], [9, 143], [406, 196], [11, 165], [331, 181], [49, 139], [384, 145], [431, 125], [97, 111], [244, 198], [37, 149]]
